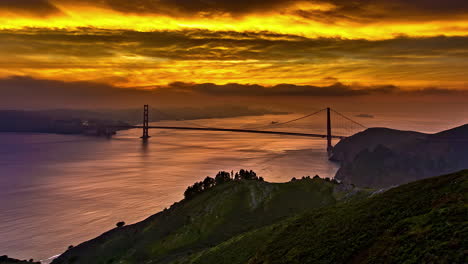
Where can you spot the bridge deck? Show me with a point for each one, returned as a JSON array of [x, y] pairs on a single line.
[[236, 130]]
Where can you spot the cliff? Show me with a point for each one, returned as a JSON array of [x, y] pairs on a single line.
[[381, 157]]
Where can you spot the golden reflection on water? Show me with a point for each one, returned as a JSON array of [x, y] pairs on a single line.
[[58, 190], [62, 190]]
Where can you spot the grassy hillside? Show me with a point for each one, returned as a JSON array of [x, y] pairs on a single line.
[[210, 218], [298, 222], [421, 222]]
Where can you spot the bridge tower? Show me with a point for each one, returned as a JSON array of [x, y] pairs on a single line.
[[145, 122], [329, 132]]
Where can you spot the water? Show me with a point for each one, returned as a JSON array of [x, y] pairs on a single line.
[[58, 190]]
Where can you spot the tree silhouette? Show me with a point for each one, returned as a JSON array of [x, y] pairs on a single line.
[[208, 183], [222, 177]]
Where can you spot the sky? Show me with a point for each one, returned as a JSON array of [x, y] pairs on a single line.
[[242, 48]]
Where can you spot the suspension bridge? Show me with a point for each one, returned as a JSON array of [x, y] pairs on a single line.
[[345, 122]]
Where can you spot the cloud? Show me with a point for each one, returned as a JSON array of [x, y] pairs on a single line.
[[235, 89], [363, 10], [160, 57], [196, 6], [224, 45], [29, 7], [28, 92]]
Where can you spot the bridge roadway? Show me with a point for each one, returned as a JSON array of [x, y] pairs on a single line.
[[235, 130]]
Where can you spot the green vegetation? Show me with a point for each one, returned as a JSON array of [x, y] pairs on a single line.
[[207, 219], [421, 222], [221, 178], [303, 221]]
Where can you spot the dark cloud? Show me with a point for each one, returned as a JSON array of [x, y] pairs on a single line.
[[234, 89], [27, 92], [358, 11], [30, 7], [365, 11], [423, 7], [208, 45], [196, 6], [362, 10]]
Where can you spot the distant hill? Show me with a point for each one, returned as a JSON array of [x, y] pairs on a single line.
[[69, 121], [6, 260], [195, 225], [381, 157], [306, 221], [50, 122]]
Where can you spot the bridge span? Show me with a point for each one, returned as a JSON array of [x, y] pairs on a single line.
[[328, 136], [236, 130]]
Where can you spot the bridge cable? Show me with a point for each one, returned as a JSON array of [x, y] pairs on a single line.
[[290, 121], [349, 119]]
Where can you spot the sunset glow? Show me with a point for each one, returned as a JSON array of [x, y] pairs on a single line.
[[294, 42]]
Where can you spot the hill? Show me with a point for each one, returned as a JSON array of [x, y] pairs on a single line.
[[208, 219], [420, 222], [382, 157], [298, 222], [6, 260], [50, 122]]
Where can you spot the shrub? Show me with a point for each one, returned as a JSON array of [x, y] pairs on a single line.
[[220, 178]]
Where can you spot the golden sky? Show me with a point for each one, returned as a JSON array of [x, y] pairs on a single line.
[[368, 44]]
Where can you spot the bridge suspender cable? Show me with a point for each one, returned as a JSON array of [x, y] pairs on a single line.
[[349, 119], [290, 121], [329, 135]]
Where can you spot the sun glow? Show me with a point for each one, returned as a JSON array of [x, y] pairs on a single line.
[[282, 23], [285, 45]]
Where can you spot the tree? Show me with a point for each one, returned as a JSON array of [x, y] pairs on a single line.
[[195, 189], [198, 187], [222, 177], [120, 224], [208, 183], [247, 175], [189, 193]]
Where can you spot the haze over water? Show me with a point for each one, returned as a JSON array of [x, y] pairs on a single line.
[[58, 190]]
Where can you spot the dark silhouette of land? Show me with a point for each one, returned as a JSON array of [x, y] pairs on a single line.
[[382, 157], [7, 260], [106, 122]]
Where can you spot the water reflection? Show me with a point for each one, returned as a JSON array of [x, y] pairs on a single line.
[[58, 190], [61, 190]]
